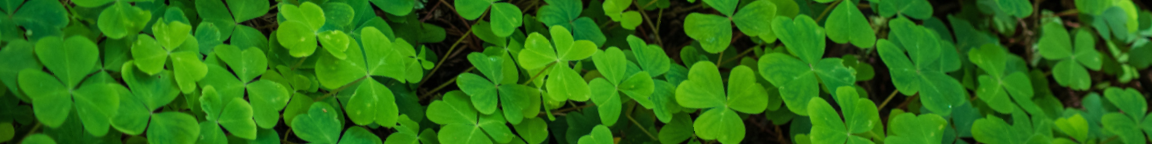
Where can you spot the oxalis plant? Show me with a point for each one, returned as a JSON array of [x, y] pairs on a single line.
[[575, 71]]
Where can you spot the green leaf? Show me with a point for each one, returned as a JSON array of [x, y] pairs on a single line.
[[725, 7], [703, 88], [1075, 126], [802, 37], [336, 42], [188, 69], [53, 100], [319, 125], [309, 13], [359, 135], [17, 56], [373, 102], [38, 139], [534, 130], [172, 127], [149, 55], [495, 126], [122, 20], [1068, 73], [744, 93], [712, 31], [678, 130], [297, 37], [95, 104], [847, 24], [720, 124], [72, 59], [268, 98], [612, 64], [244, 10], [752, 19], [1128, 100], [1086, 53], [607, 100], [600, 135], [339, 14], [1055, 43], [401, 138], [639, 87], [210, 132], [1092, 7], [909, 128], [564, 83], [1124, 127], [505, 19], [483, 92], [827, 128], [455, 108], [651, 58], [1020, 8], [794, 78], [472, 9], [462, 134], [41, 18], [919, 9], [247, 63], [237, 118], [171, 34], [395, 7]]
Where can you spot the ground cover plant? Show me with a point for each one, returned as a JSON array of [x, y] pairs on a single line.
[[575, 71]]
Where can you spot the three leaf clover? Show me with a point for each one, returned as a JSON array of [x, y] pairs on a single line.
[[938, 91], [1127, 125], [993, 60], [70, 61], [704, 90], [562, 82], [615, 9], [566, 13], [1055, 44], [225, 21], [236, 115], [606, 91], [485, 93], [462, 124], [926, 128], [121, 19], [827, 128], [299, 34], [714, 32], [797, 78], [505, 17], [322, 125], [173, 41]]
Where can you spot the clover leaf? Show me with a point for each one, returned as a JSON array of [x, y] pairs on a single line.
[[797, 78], [909, 128], [993, 60], [236, 115], [704, 89], [918, 9], [148, 93], [651, 58], [566, 13], [505, 16], [846, 24], [600, 135], [606, 91], [827, 128], [993, 129], [173, 41], [16, 56], [1018, 8], [715, 32], [173, 127], [70, 60], [925, 72], [615, 9], [1075, 126], [1055, 44], [247, 63], [486, 93], [303, 28], [461, 123], [227, 20], [319, 125], [39, 18], [122, 19], [562, 82], [534, 130]]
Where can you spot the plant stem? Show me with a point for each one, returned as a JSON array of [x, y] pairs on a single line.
[[337, 90], [720, 59], [33, 130], [441, 62], [445, 84], [888, 99], [642, 129], [741, 54], [538, 73], [649, 21], [828, 9], [286, 135], [298, 63]]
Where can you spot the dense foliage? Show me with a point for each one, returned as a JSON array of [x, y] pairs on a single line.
[[574, 71]]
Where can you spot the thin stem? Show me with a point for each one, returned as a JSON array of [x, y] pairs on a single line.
[[538, 73], [337, 90], [650, 25], [828, 9], [441, 62], [33, 130], [745, 52], [286, 135], [642, 129], [298, 63], [889, 98], [909, 100], [572, 108], [445, 84]]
